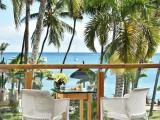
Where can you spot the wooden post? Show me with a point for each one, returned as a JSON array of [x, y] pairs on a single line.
[[100, 91], [89, 106], [81, 109], [28, 80]]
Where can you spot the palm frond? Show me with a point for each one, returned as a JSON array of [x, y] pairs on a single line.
[[67, 26], [64, 14], [2, 6], [3, 46], [98, 26], [56, 32], [32, 16], [17, 9], [130, 7], [90, 34], [151, 33]]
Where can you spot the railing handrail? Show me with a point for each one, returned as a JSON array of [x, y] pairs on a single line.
[[75, 66]]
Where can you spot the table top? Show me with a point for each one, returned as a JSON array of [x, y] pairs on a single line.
[[73, 91]]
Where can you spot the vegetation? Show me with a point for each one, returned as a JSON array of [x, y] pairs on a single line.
[[2, 6], [127, 31], [75, 9]]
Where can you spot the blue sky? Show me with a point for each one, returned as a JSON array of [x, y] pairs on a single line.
[[8, 32]]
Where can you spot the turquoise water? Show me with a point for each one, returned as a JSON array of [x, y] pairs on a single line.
[[92, 58]]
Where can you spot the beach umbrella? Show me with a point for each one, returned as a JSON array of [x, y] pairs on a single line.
[[84, 75]]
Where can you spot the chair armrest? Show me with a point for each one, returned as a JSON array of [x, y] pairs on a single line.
[[114, 104]]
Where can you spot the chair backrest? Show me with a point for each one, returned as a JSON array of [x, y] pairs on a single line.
[[34, 100], [40, 102], [136, 101]]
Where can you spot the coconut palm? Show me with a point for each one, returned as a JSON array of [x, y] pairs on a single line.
[[26, 32], [55, 26], [154, 92], [18, 5], [100, 24], [37, 32], [156, 16], [2, 6], [137, 38], [75, 9], [131, 32], [97, 28]]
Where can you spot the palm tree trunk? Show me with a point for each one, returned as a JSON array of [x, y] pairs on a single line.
[[102, 48], [138, 73], [37, 33], [154, 92], [44, 41], [119, 85], [26, 33], [114, 30], [74, 28]]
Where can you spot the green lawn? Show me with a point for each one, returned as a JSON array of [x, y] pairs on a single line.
[[156, 116], [10, 116]]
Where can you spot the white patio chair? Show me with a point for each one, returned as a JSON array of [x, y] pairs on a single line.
[[39, 105], [131, 107]]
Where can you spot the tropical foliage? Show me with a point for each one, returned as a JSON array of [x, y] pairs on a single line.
[[3, 47], [2, 6], [75, 11], [59, 76]]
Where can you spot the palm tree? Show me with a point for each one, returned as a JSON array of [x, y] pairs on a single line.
[[25, 44], [97, 28], [102, 22], [154, 92], [2, 6], [75, 8], [55, 26], [37, 33], [156, 15], [132, 32], [133, 52]]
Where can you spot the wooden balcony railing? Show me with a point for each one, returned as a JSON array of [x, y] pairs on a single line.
[[100, 80]]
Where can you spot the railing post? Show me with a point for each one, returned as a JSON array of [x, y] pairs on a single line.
[[100, 91], [28, 80]]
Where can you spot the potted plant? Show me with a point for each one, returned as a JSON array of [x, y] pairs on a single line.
[[59, 78]]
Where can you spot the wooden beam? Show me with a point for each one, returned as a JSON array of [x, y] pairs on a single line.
[[100, 91], [77, 66], [28, 80]]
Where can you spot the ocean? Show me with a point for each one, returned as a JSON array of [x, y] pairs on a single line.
[[92, 58]]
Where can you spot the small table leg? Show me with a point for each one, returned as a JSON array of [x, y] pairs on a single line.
[[89, 105], [81, 109]]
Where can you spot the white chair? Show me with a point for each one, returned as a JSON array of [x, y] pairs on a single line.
[[39, 105], [131, 107]]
